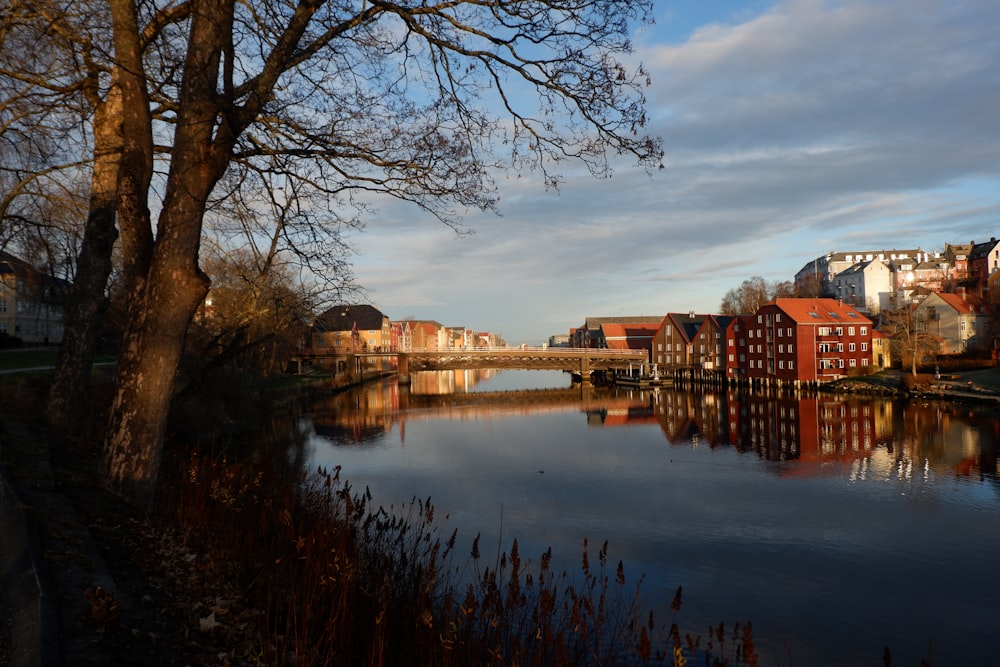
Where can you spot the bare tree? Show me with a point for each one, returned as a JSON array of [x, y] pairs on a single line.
[[752, 294], [911, 340], [419, 102], [63, 124]]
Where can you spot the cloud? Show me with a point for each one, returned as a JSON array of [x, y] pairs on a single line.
[[789, 131]]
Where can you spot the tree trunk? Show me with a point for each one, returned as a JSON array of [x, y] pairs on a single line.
[[88, 303], [150, 356], [165, 297]]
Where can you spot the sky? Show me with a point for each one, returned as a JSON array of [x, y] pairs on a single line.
[[791, 129]]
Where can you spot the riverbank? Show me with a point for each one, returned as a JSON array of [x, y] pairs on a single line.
[[981, 385]]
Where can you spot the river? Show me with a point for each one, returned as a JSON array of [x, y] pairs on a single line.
[[837, 526]]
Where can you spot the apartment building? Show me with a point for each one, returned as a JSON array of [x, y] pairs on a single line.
[[806, 340]]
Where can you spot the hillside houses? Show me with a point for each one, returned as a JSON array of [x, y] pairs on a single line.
[[817, 277], [831, 328]]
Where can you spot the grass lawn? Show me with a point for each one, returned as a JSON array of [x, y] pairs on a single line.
[[26, 358], [984, 377], [36, 358]]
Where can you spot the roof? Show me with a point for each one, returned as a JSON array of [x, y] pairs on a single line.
[[427, 326], [344, 317], [819, 311], [980, 250], [629, 336], [27, 275], [593, 323], [723, 321], [688, 324], [964, 306]]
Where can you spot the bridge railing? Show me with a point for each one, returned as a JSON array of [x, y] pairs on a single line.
[[528, 348]]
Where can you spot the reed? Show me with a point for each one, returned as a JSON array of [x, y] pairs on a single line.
[[335, 579]]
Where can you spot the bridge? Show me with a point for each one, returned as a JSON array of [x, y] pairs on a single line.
[[582, 361]]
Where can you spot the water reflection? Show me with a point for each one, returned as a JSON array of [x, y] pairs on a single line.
[[870, 435], [818, 518]]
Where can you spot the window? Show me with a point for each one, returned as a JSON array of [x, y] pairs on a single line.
[[854, 362], [840, 331], [864, 331], [777, 317], [850, 331], [760, 319], [963, 325], [864, 362], [850, 347], [659, 347], [781, 365], [823, 331], [781, 349], [732, 342], [789, 332], [864, 347], [731, 358], [791, 365], [790, 348], [3, 305]]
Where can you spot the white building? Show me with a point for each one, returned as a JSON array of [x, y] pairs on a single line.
[[866, 286]]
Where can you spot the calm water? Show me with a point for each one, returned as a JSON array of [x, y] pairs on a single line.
[[837, 526]]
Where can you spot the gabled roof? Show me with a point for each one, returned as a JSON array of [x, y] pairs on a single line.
[[963, 306], [344, 318], [820, 311], [427, 326], [27, 275], [722, 321], [980, 250], [688, 324]]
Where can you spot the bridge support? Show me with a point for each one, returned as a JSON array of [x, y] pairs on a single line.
[[403, 364]]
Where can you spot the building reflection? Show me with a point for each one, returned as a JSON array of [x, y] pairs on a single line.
[[877, 436]]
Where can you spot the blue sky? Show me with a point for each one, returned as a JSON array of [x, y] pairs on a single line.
[[791, 129]]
